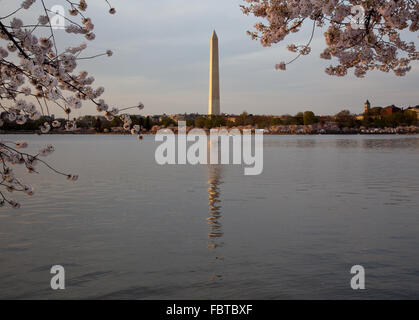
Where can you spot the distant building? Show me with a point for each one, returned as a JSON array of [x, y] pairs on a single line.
[[376, 109], [391, 109], [367, 106], [156, 118], [231, 118], [177, 117], [414, 109]]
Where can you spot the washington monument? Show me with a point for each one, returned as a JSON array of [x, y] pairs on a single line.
[[214, 79]]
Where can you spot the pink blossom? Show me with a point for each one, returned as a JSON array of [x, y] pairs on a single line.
[[377, 46]]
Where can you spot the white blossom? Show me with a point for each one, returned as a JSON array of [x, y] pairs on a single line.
[[46, 151], [36, 77]]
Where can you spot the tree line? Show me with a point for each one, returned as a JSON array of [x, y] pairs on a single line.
[[373, 119]]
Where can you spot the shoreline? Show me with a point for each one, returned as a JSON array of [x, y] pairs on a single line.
[[266, 133]]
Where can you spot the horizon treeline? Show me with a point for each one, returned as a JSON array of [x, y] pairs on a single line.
[[373, 119]]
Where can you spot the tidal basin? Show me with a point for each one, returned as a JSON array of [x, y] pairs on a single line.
[[132, 229]]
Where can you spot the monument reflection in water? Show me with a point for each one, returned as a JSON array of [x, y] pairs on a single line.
[[214, 219]]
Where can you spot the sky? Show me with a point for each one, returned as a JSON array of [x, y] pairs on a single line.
[[161, 58]]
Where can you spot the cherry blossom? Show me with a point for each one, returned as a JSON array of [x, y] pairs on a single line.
[[38, 77], [373, 42]]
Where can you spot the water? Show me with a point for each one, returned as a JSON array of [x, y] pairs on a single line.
[[130, 229]]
